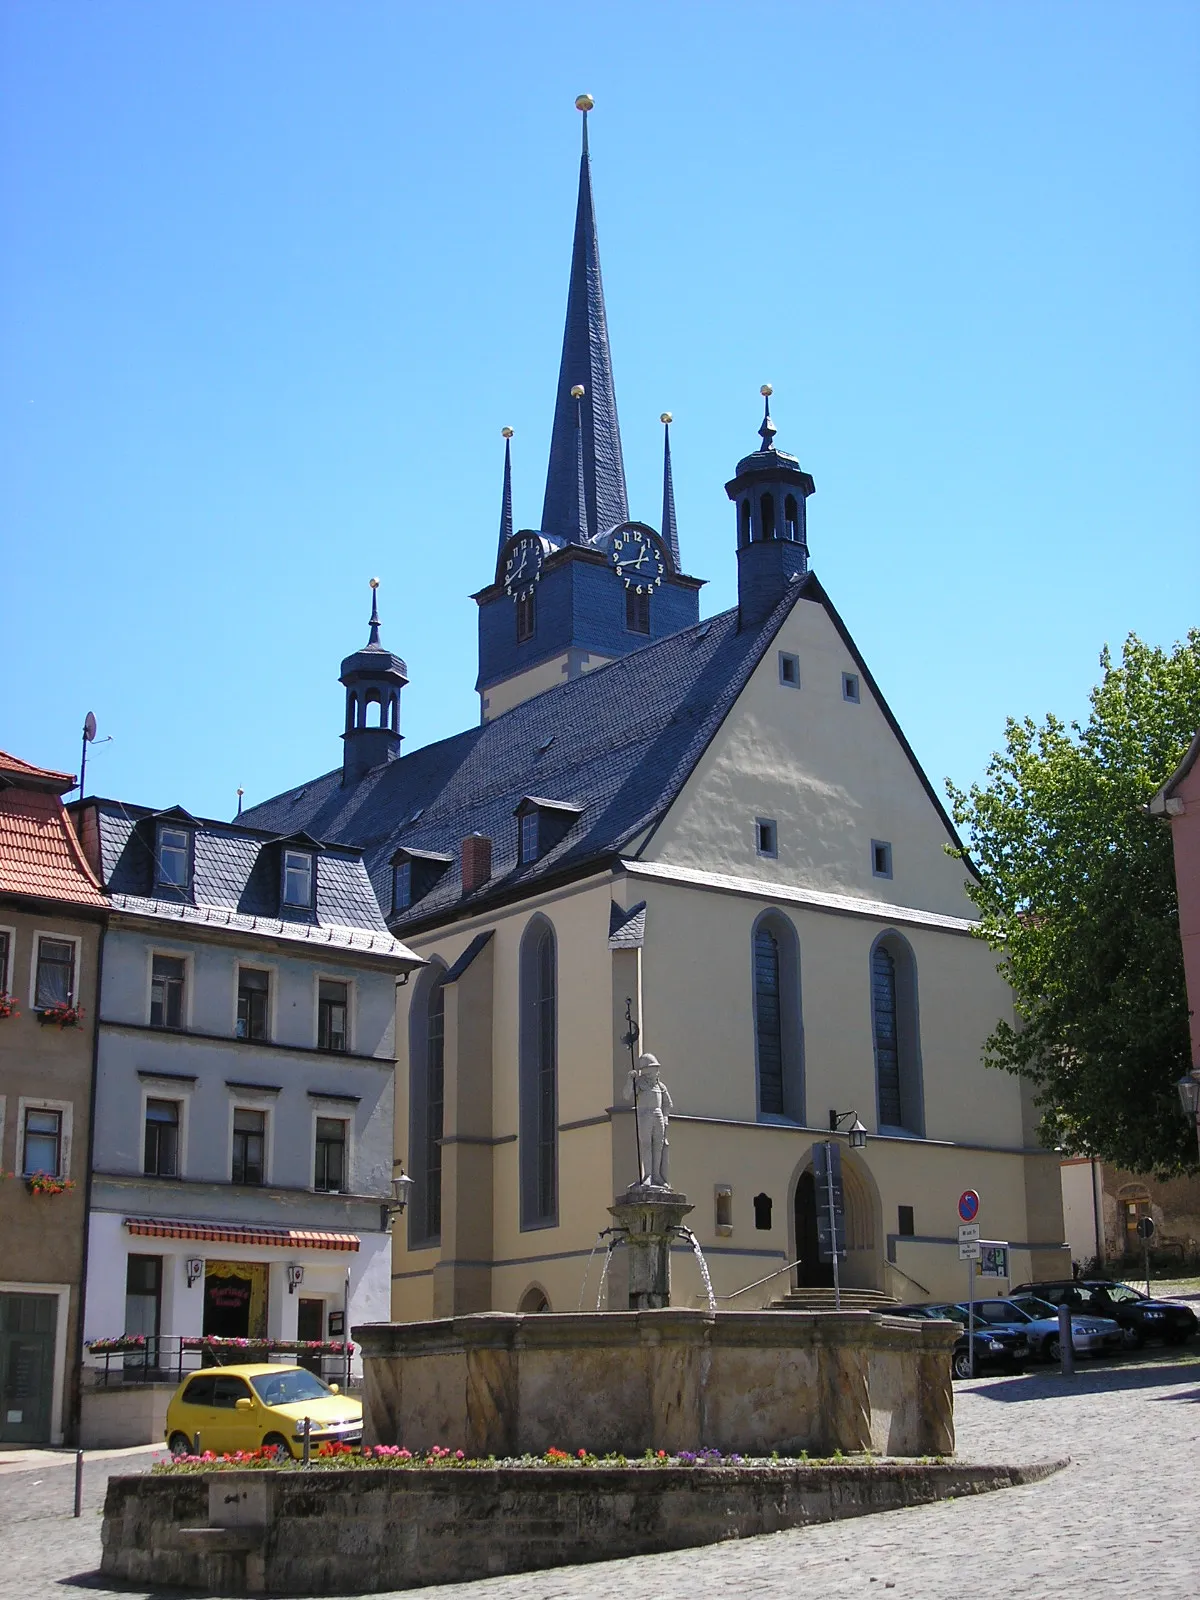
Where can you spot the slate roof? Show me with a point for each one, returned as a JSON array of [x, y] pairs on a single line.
[[618, 742], [40, 857], [236, 882]]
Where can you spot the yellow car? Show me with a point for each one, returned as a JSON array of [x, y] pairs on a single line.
[[252, 1407]]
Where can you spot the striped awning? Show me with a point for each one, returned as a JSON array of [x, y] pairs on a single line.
[[242, 1233]]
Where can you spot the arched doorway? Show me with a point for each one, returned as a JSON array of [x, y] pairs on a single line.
[[862, 1265], [811, 1272]]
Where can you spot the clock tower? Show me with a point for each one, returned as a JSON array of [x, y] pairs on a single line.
[[590, 584]]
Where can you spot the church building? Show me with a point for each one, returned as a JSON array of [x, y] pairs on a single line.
[[713, 826]]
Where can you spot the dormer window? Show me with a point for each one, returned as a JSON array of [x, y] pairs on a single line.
[[298, 879], [173, 858], [542, 824], [402, 886], [414, 873]]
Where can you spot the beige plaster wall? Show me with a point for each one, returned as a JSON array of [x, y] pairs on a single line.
[[831, 773], [501, 697]]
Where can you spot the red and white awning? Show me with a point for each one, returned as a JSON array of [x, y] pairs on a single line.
[[242, 1233]]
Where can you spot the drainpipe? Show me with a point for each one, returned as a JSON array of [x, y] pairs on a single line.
[[77, 1397]]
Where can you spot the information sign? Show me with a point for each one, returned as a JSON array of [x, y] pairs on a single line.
[[969, 1250], [967, 1230]]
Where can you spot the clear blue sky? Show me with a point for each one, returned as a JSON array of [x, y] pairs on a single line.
[[275, 274]]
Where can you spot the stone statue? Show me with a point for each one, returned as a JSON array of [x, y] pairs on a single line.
[[652, 1101]]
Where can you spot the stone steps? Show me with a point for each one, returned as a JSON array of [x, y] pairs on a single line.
[[823, 1300]]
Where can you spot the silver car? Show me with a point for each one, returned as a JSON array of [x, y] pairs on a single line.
[[1038, 1321]]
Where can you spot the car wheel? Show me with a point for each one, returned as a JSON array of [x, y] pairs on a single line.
[[276, 1442], [179, 1445], [961, 1364], [1053, 1348]]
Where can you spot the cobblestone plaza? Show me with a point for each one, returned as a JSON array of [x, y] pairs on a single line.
[[1121, 1519]]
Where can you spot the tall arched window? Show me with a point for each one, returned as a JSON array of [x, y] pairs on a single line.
[[744, 534], [791, 519], [778, 1026], [766, 512], [427, 1081], [539, 1076], [894, 1022]]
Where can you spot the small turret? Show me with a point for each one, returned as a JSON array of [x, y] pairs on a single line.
[[373, 678], [769, 490]]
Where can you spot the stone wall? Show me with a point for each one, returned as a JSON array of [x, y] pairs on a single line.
[[352, 1532], [673, 1379]]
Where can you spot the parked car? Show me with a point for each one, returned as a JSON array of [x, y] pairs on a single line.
[[1038, 1321], [1141, 1316], [256, 1407], [994, 1347]]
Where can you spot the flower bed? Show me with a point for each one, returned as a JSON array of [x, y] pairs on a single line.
[[372, 1457], [325, 1347]]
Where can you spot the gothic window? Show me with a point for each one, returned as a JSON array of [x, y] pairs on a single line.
[[894, 1025], [427, 1095], [791, 519], [526, 618], [745, 533], [766, 512], [539, 1076], [637, 611], [778, 1035]]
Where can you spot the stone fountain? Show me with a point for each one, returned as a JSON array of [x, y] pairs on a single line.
[[656, 1376]]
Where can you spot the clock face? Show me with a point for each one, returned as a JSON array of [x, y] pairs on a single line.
[[523, 566], [637, 558]]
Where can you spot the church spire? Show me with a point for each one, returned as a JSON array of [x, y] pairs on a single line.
[[586, 360], [506, 517], [374, 638], [670, 529]]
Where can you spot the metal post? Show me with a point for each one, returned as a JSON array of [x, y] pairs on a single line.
[[307, 1425], [196, 1444], [631, 1039], [79, 1483], [833, 1238], [1146, 1261], [1066, 1345], [346, 1330], [971, 1315]]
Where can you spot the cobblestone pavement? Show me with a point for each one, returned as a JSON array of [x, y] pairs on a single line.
[[1119, 1521]]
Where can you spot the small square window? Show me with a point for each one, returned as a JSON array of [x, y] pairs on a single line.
[[173, 859], [850, 687], [766, 836], [402, 886], [906, 1227], [723, 1208], [297, 879], [637, 611], [529, 837], [526, 618], [55, 982], [762, 1212], [881, 858], [789, 670]]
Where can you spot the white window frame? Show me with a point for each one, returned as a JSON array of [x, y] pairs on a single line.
[[6, 978], [247, 1100], [351, 986], [336, 1111], [298, 905], [271, 968], [189, 986], [60, 938], [40, 1102], [168, 1089], [189, 865]]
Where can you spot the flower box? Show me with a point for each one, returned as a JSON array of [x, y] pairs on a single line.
[[8, 1006], [63, 1015], [47, 1183]]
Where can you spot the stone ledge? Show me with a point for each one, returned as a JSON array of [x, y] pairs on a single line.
[[366, 1530]]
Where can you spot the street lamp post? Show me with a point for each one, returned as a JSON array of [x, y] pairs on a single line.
[[856, 1135], [1189, 1098]]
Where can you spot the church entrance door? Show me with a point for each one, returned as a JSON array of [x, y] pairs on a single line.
[[812, 1273]]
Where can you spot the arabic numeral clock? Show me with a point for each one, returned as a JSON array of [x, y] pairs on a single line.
[[523, 566], [637, 559]]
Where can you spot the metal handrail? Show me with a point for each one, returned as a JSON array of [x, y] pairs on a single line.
[[169, 1358], [757, 1282], [908, 1278]]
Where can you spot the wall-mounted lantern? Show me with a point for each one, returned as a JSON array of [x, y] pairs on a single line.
[[855, 1133], [194, 1268], [295, 1276]]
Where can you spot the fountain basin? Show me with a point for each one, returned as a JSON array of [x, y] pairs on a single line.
[[746, 1382]]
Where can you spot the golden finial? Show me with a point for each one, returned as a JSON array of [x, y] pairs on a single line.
[[766, 389], [506, 433], [666, 417], [374, 583], [577, 391], [584, 102]]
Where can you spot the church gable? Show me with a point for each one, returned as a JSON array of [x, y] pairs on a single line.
[[809, 782]]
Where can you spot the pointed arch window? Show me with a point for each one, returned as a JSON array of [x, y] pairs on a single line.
[[744, 531], [539, 1076], [778, 1025], [526, 617], [766, 512], [427, 1081], [791, 519], [894, 1020]]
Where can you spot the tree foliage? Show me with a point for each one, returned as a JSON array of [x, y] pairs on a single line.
[[1076, 890]]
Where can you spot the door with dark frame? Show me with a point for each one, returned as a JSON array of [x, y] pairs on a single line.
[[812, 1272]]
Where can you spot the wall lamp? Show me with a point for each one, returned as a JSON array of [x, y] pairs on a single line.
[[194, 1268], [855, 1133], [401, 1186]]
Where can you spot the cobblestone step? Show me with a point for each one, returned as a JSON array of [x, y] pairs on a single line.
[[823, 1300]]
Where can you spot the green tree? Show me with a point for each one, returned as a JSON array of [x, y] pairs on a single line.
[[1076, 891]]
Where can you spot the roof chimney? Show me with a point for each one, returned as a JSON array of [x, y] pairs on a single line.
[[476, 862]]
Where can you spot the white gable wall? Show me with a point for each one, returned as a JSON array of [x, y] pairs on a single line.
[[831, 773]]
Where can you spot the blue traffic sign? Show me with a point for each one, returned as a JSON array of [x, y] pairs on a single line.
[[968, 1205]]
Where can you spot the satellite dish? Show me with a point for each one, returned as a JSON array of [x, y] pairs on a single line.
[[89, 726]]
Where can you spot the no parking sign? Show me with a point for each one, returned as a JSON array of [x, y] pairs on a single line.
[[968, 1205]]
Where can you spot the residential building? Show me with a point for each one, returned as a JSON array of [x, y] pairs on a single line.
[[51, 921], [717, 824], [245, 1086]]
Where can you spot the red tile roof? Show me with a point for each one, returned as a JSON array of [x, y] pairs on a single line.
[[39, 853]]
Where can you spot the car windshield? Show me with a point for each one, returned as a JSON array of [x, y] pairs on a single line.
[[1001, 1311], [288, 1387], [1035, 1308], [1121, 1295], [949, 1313]]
